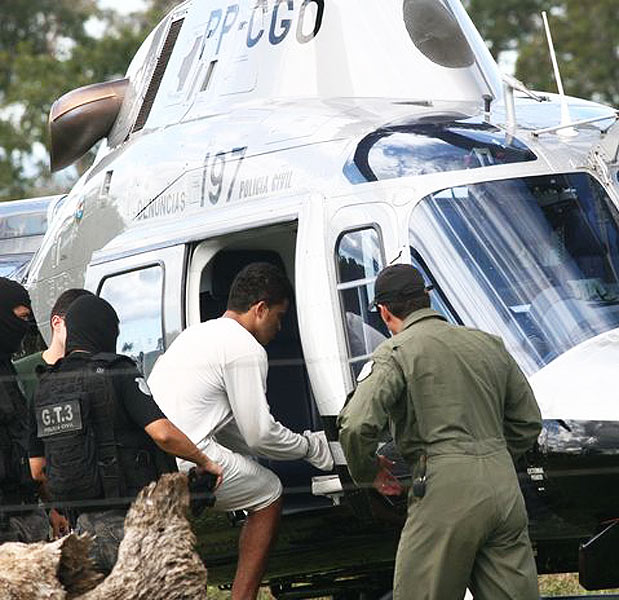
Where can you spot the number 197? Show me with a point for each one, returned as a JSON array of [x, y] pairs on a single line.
[[213, 175]]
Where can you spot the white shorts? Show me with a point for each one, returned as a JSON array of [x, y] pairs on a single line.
[[247, 485]]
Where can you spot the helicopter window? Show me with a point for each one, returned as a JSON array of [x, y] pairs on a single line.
[[137, 297], [359, 259], [23, 225], [535, 260], [12, 262], [421, 148]]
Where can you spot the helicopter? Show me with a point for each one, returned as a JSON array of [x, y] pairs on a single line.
[[332, 138], [22, 226]]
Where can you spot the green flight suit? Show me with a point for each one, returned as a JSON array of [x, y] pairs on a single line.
[[458, 396], [26, 368]]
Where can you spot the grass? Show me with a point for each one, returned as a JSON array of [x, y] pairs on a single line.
[[565, 584], [550, 585]]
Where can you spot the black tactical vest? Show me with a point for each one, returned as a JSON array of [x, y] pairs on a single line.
[[16, 484], [87, 456]]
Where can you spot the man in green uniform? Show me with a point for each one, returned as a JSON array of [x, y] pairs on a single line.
[[28, 367], [460, 410]]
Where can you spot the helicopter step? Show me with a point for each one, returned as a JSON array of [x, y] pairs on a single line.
[[596, 571]]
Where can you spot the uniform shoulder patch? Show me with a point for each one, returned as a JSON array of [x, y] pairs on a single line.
[[366, 371], [143, 386]]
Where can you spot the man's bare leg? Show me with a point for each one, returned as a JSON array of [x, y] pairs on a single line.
[[257, 537]]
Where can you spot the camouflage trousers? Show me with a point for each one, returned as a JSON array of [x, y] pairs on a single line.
[[107, 527], [29, 527]]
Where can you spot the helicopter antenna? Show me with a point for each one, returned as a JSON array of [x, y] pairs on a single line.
[[566, 130]]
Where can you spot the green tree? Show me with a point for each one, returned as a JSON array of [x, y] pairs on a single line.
[[506, 25], [47, 48], [33, 35], [585, 34], [586, 39]]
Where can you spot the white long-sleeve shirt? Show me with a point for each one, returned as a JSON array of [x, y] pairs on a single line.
[[213, 379]]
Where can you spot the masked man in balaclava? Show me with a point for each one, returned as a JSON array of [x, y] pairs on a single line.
[[17, 488], [97, 435]]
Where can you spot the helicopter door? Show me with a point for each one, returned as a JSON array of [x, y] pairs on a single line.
[[213, 267], [338, 259]]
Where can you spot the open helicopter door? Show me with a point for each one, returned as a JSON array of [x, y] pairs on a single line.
[[213, 264], [339, 255]]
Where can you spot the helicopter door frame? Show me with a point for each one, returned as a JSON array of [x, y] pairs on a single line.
[[205, 250], [202, 256], [210, 272], [321, 322], [321, 317]]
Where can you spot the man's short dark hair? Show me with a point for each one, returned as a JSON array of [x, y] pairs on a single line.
[[65, 300], [402, 308], [258, 282]]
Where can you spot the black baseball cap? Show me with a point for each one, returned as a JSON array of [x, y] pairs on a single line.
[[396, 283]]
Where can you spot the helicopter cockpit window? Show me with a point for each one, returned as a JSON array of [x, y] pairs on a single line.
[[359, 260], [137, 297], [535, 260], [433, 147]]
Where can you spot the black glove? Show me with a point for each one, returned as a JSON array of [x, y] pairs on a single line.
[[201, 486]]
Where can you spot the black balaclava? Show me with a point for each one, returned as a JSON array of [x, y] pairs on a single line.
[[12, 328], [92, 325]]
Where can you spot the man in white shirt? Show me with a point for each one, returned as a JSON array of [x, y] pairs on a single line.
[[211, 383]]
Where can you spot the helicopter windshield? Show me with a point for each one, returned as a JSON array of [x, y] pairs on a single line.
[[534, 260]]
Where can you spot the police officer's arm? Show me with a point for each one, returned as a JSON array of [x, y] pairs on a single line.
[[523, 421], [173, 441], [37, 468], [366, 415], [36, 451], [60, 525], [36, 458], [144, 412]]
